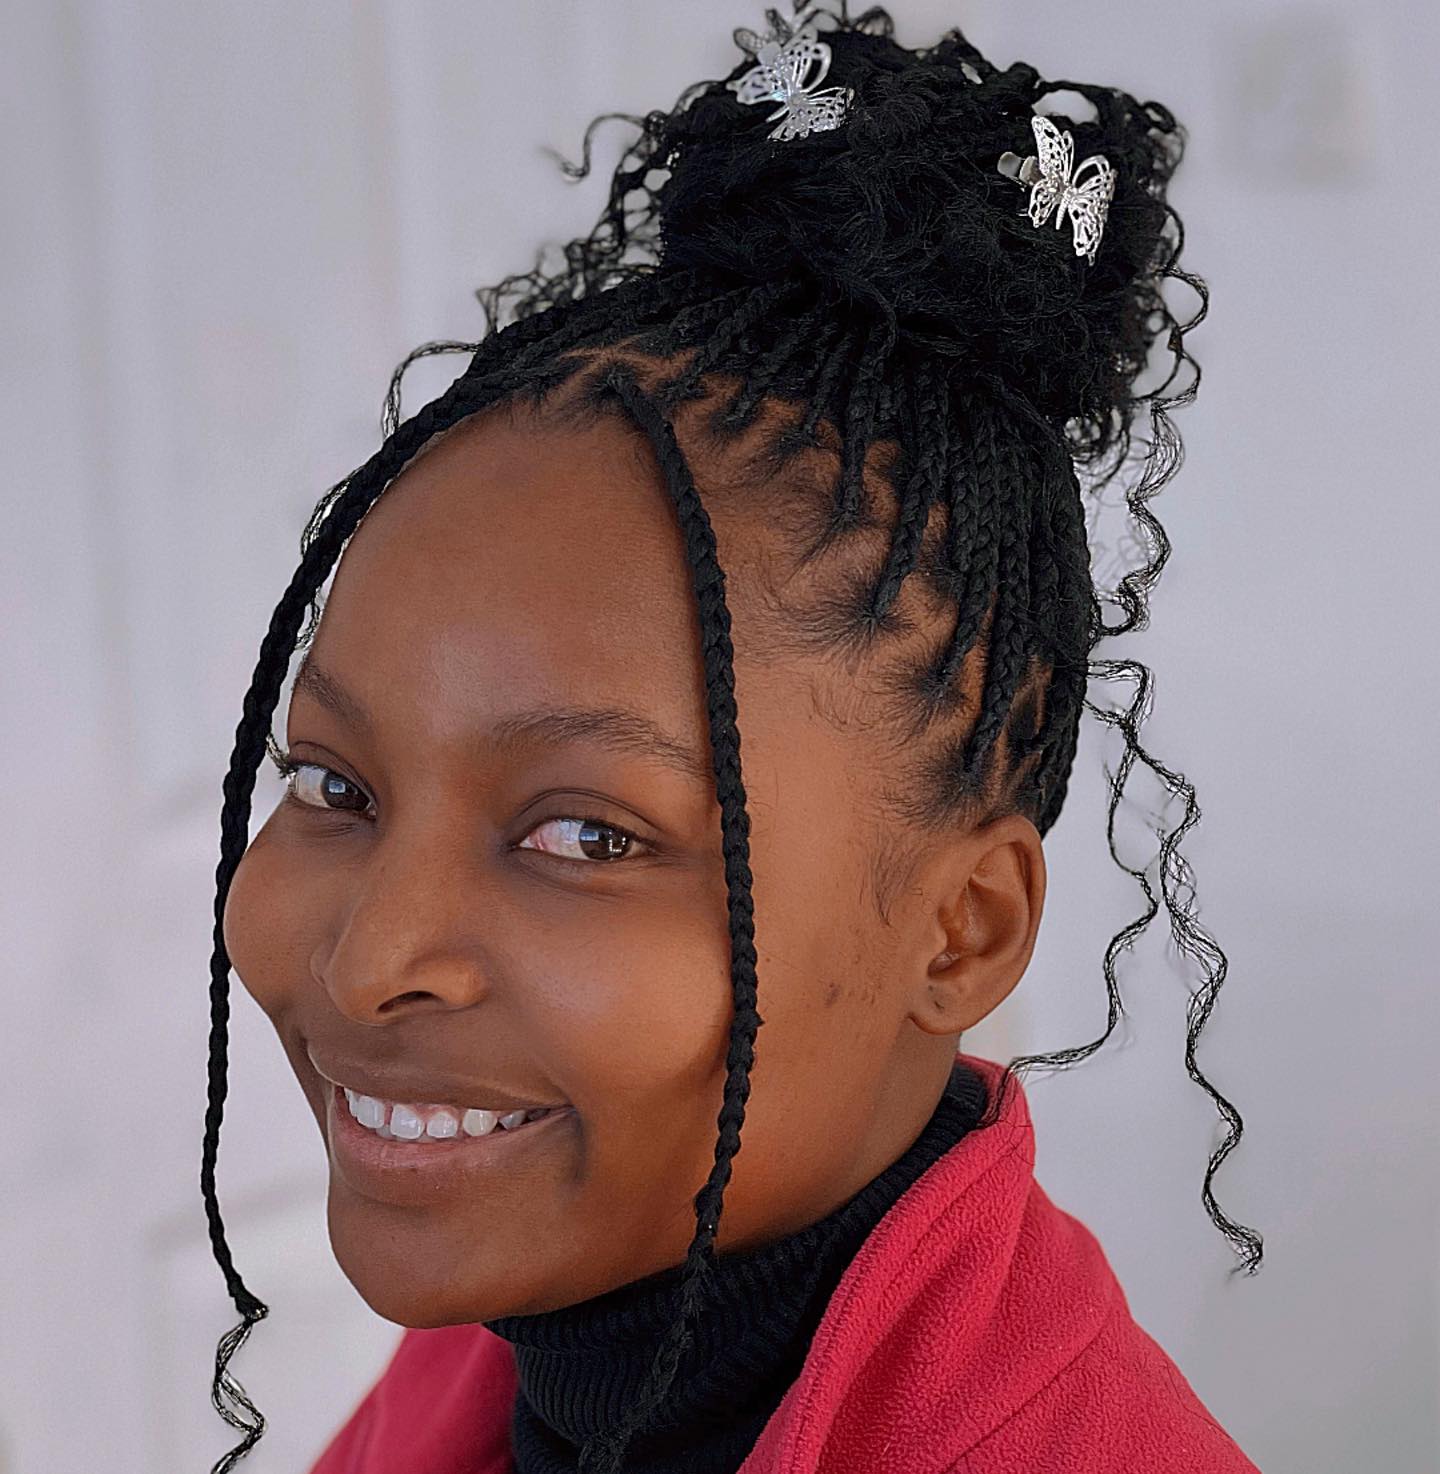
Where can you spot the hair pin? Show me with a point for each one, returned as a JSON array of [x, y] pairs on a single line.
[[785, 59], [1054, 187]]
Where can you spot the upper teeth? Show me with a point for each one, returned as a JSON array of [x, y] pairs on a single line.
[[408, 1123]]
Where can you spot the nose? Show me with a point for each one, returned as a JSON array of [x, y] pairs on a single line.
[[408, 940]]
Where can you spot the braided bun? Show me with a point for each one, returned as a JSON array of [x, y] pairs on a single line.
[[902, 213]]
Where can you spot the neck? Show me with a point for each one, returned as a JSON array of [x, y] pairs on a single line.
[[582, 1367]]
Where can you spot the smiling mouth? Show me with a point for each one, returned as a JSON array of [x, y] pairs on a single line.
[[423, 1170], [402, 1121]]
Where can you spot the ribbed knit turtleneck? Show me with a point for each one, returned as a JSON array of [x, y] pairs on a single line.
[[582, 1366]]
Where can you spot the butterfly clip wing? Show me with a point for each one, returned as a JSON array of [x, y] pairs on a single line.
[[785, 71], [779, 33]]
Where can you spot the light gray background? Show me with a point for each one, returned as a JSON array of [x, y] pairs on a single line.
[[220, 227]]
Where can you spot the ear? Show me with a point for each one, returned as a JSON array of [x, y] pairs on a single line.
[[982, 896]]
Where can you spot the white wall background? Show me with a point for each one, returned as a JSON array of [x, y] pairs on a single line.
[[220, 227]]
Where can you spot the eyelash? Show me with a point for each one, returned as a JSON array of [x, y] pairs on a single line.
[[289, 769]]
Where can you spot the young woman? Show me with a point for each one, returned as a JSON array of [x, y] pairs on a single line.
[[790, 449]]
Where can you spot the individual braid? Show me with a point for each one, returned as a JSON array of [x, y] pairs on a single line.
[[986, 500], [861, 403], [922, 481], [324, 538], [1008, 643], [1066, 596], [1058, 587], [603, 1455]]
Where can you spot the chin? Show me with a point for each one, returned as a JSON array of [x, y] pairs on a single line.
[[412, 1300], [407, 1280]]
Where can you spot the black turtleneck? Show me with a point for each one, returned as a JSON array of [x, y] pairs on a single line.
[[582, 1366]]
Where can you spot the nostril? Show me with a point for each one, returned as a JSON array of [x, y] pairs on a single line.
[[403, 998]]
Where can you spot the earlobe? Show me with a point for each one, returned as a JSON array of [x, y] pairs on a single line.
[[950, 996]]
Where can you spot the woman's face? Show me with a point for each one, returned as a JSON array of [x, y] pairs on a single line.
[[431, 916]]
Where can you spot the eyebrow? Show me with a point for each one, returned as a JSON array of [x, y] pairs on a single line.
[[617, 729]]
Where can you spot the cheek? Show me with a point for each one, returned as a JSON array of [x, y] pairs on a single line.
[[270, 925], [635, 1012]]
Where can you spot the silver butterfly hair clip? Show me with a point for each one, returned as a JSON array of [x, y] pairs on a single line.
[[1084, 195], [785, 58]]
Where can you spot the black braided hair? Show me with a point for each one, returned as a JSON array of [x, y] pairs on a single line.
[[878, 283]]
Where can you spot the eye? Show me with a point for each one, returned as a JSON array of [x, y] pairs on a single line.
[[593, 838], [319, 787]]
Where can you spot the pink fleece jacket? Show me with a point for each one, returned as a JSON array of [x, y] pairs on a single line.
[[979, 1330]]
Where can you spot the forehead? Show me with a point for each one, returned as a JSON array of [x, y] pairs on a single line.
[[512, 551], [504, 508]]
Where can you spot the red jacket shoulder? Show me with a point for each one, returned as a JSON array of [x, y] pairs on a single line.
[[1120, 1406]]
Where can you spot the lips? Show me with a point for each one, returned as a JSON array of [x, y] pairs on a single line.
[[463, 1172]]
